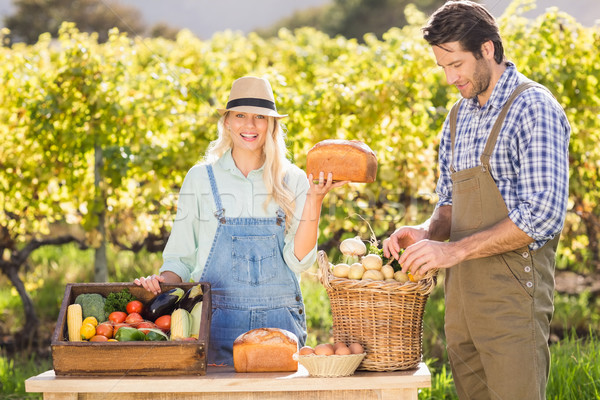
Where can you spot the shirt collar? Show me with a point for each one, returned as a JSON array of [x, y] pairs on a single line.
[[227, 163]]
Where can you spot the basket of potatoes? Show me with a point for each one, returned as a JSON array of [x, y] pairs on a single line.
[[377, 305]]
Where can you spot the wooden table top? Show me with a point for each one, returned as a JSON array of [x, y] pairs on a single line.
[[225, 379]]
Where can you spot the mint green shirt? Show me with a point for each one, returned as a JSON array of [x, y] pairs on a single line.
[[195, 224]]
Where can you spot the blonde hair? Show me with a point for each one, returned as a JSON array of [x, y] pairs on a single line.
[[275, 167]]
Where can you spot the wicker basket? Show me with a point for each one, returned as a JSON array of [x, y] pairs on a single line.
[[385, 317], [330, 366]]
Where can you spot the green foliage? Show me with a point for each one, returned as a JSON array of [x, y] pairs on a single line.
[[318, 311], [14, 372], [576, 313], [575, 369]]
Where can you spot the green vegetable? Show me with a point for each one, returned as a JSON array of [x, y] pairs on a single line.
[[117, 301], [155, 335], [92, 305], [129, 334]]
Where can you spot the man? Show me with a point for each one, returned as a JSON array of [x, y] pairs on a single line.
[[503, 194]]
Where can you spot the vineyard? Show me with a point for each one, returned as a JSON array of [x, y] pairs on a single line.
[[95, 139]]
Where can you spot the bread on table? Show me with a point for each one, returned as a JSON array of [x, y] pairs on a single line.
[[265, 350], [347, 160]]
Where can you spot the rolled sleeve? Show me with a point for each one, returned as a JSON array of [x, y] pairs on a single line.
[[543, 181]]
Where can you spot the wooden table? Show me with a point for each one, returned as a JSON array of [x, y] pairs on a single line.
[[222, 383]]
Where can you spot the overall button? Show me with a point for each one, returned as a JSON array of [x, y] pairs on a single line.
[[525, 254], [300, 311], [527, 269], [297, 298], [529, 284]]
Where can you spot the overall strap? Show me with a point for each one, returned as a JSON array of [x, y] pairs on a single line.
[[491, 143], [220, 213], [453, 118]]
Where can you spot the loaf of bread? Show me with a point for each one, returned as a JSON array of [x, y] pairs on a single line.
[[265, 350], [347, 160]]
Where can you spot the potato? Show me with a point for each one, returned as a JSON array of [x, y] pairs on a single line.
[[401, 276], [388, 271], [372, 261], [373, 274], [356, 271], [341, 270]]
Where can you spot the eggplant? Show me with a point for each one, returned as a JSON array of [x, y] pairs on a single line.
[[191, 297], [162, 304]]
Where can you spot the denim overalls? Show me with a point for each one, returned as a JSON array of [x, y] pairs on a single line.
[[252, 286]]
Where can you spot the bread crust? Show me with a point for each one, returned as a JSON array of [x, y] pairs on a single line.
[[265, 350], [347, 160]]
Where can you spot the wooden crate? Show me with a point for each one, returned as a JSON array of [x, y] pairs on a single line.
[[129, 358]]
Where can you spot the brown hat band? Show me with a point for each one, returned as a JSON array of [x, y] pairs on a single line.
[[253, 102]]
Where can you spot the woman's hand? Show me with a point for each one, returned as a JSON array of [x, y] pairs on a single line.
[[152, 282], [322, 186]]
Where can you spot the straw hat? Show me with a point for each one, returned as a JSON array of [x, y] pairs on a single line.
[[252, 95]]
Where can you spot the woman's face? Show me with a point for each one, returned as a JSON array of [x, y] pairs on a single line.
[[248, 131]]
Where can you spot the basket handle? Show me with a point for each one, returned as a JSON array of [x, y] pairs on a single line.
[[323, 272]]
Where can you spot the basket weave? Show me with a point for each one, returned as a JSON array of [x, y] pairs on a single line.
[[385, 317], [331, 366]]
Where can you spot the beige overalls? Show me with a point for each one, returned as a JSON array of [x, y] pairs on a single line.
[[498, 309]]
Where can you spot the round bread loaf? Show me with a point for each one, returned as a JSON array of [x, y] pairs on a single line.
[[265, 350]]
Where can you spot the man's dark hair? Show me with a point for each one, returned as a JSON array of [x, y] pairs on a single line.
[[465, 22]]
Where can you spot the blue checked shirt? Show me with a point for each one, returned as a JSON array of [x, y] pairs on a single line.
[[530, 163]]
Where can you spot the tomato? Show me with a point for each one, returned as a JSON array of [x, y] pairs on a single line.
[[105, 329], [144, 326], [134, 318], [117, 317], [134, 306], [164, 323], [98, 338]]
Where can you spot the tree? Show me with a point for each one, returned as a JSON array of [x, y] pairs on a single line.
[[34, 17], [354, 18]]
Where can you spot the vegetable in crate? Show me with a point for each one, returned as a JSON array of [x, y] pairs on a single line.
[[191, 297], [129, 334], [162, 304], [117, 301], [74, 322], [92, 305]]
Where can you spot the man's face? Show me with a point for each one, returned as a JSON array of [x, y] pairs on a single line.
[[470, 75]]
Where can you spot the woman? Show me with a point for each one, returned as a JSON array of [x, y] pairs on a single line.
[[247, 222]]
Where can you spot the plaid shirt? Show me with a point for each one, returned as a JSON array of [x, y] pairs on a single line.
[[530, 163]]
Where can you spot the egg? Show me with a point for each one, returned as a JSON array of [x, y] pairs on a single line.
[[324, 349], [343, 351], [337, 345], [356, 348], [306, 350]]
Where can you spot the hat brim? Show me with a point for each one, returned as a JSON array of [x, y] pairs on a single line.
[[253, 110]]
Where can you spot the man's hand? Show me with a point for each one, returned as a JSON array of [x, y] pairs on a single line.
[[428, 254], [401, 239]]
